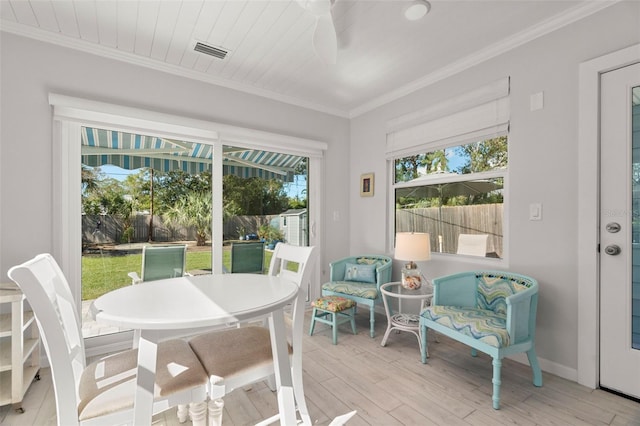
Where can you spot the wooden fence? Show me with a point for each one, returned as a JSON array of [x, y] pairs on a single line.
[[455, 220], [105, 229]]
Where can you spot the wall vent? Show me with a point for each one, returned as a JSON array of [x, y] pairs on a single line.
[[216, 52]]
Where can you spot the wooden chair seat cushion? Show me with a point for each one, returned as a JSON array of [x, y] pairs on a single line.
[[109, 384], [333, 303], [353, 288], [228, 353], [480, 324]]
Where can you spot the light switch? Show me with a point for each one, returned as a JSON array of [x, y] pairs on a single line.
[[535, 211]]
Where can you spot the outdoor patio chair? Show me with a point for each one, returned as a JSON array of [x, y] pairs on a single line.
[[247, 257], [159, 262], [103, 391], [472, 244]]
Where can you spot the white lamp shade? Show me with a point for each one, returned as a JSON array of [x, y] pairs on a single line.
[[413, 246]]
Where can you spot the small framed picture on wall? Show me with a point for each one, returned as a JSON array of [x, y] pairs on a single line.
[[366, 185]]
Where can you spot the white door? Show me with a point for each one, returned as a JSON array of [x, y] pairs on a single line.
[[620, 231]]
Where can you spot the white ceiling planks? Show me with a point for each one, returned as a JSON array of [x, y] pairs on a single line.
[[381, 55]]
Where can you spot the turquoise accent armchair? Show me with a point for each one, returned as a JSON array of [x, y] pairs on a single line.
[[490, 311], [359, 278]]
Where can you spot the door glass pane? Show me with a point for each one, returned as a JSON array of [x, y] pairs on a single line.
[[635, 297], [264, 201], [140, 191]]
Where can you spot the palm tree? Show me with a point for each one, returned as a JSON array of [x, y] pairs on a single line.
[[194, 210]]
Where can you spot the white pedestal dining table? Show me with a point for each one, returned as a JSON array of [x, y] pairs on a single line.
[[186, 304]]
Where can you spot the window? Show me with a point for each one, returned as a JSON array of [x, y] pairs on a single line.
[[452, 192], [142, 191], [170, 134], [448, 167]]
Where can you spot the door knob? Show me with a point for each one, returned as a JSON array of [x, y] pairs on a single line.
[[612, 250]]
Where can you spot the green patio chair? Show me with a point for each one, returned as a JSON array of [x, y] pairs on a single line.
[[159, 262], [247, 257]]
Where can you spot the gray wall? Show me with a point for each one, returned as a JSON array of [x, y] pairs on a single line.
[[543, 166], [30, 70], [543, 150]]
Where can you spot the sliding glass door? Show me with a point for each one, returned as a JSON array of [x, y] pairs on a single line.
[[140, 191]]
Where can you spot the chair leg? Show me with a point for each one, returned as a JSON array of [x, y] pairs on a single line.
[[298, 392], [372, 320], [474, 352], [533, 362], [215, 412], [497, 364], [183, 412], [423, 346], [271, 383], [334, 326], [353, 319], [313, 322], [198, 413]]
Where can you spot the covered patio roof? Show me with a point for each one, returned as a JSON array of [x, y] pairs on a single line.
[[132, 151]]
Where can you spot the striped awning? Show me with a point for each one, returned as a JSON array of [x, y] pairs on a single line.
[[131, 151]]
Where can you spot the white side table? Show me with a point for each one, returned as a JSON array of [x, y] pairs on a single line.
[[399, 320]]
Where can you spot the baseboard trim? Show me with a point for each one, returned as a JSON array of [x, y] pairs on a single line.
[[549, 367]]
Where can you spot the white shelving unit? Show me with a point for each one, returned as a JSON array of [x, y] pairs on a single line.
[[19, 348]]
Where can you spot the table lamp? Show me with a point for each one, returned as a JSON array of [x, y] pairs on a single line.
[[412, 246]]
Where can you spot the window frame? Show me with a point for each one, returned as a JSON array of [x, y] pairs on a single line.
[[71, 114], [498, 173], [478, 114]]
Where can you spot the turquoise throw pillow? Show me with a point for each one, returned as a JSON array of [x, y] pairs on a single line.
[[361, 273]]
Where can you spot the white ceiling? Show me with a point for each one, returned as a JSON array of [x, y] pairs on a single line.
[[381, 55]]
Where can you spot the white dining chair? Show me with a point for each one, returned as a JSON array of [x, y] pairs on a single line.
[[103, 391], [241, 356]]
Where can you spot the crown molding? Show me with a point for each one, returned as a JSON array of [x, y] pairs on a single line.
[[556, 22], [131, 58]]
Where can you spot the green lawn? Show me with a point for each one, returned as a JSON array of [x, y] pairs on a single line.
[[101, 274]]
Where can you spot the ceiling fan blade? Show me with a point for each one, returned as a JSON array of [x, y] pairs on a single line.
[[325, 41], [317, 7]]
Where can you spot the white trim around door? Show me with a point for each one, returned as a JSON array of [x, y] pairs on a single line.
[[588, 206]]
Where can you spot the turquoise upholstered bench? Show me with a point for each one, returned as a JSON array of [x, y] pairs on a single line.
[[359, 278], [490, 311]]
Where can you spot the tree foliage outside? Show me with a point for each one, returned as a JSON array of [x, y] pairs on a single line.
[[253, 196], [175, 185], [102, 195], [479, 156], [184, 198], [486, 155], [193, 210]]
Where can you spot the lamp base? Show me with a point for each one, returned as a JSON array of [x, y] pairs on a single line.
[[411, 278]]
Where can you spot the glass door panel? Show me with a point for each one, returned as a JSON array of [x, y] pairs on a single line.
[[140, 191], [264, 202]]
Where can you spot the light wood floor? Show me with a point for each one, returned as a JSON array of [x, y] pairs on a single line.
[[390, 386]]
